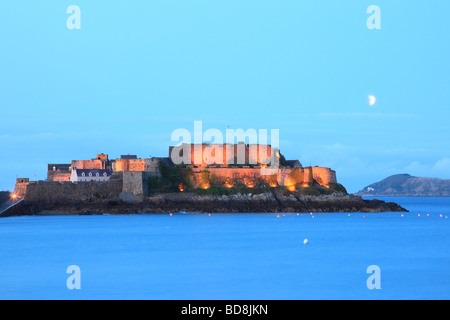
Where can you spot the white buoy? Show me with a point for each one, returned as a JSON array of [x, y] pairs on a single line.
[[305, 241]]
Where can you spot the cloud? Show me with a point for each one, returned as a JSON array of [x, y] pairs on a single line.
[[27, 136], [442, 165], [368, 115], [439, 169]]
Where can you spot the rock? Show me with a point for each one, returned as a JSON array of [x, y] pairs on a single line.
[[127, 197], [264, 202]]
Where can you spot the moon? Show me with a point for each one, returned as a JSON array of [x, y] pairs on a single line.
[[372, 100]]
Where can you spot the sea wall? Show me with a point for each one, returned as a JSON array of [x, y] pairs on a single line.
[[68, 192]]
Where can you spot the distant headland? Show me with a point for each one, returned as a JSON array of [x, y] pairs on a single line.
[[242, 179], [405, 185]]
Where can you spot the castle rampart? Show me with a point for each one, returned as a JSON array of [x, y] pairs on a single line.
[[68, 192], [250, 176], [146, 165], [223, 154], [100, 162], [21, 187]]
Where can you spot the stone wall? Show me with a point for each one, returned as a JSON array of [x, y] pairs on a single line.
[[61, 176], [21, 187], [131, 164], [133, 182], [135, 185], [88, 164], [68, 192], [57, 168], [148, 165], [100, 162], [224, 154], [323, 176]]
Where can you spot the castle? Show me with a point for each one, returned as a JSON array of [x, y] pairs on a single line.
[[128, 175], [247, 162]]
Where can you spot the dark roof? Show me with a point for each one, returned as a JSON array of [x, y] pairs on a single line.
[[93, 171], [62, 167], [293, 163], [128, 156]]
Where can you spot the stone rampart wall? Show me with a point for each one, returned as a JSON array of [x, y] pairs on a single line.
[[148, 165], [68, 192], [323, 176]]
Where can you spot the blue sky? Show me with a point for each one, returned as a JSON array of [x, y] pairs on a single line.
[[138, 70]]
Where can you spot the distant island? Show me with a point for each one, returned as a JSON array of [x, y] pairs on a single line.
[[405, 185]]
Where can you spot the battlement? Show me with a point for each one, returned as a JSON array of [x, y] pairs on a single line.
[[288, 177], [134, 164], [100, 162], [21, 187], [223, 154]]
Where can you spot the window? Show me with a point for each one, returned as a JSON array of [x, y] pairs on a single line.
[[104, 174], [83, 174], [90, 174], [97, 174]]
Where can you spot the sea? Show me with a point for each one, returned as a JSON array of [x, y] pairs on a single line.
[[201, 256]]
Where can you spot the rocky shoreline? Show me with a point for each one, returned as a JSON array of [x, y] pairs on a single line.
[[237, 203]]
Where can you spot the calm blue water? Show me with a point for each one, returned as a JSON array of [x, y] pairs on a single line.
[[230, 256]]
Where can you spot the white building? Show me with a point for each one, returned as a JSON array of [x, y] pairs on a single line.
[[81, 175]]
